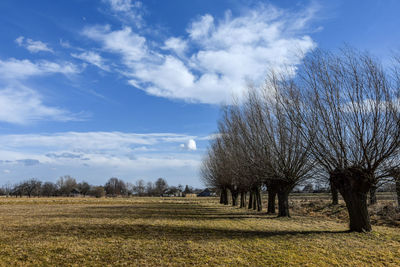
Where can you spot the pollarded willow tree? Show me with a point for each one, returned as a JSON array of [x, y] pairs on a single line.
[[351, 116], [259, 144], [214, 170], [236, 130], [285, 152], [340, 111]]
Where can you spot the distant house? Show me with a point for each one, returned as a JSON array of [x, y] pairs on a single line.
[[205, 193], [190, 195]]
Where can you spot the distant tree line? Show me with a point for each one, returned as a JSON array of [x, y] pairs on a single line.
[[337, 121], [68, 186]]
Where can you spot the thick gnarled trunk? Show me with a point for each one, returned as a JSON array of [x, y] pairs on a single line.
[[271, 202], [272, 189], [283, 187], [354, 184], [334, 194], [224, 196], [283, 203]]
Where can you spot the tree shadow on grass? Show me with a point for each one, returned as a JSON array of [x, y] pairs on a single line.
[[170, 217], [161, 211], [157, 232]]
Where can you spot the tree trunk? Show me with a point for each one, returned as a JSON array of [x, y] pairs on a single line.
[[226, 201], [398, 190], [254, 200], [372, 195], [334, 193], [283, 203], [224, 196], [234, 195], [353, 184], [250, 200], [242, 199], [271, 200], [259, 199]]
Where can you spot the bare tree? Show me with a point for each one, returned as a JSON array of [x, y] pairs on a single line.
[[214, 170], [115, 186], [240, 176], [288, 159], [161, 186], [84, 188], [66, 184], [48, 189], [31, 187], [150, 189], [351, 105], [139, 187]]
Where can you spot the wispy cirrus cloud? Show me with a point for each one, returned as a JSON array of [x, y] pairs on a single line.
[[33, 46], [217, 57], [17, 69], [21, 104], [127, 10], [92, 58]]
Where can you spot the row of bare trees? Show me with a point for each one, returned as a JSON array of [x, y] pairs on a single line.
[[337, 119], [68, 186]]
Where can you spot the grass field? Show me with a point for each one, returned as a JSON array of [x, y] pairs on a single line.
[[178, 232]]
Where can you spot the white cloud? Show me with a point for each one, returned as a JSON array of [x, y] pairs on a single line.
[[124, 42], [130, 10], [20, 40], [33, 46], [124, 5], [100, 155], [190, 145], [65, 44], [176, 45], [95, 142], [92, 58], [22, 105], [13, 69], [202, 27], [224, 54], [171, 76]]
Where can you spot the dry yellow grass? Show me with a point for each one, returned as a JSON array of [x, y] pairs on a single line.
[[178, 232]]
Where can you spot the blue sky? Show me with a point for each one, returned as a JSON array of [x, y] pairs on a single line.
[[132, 89]]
